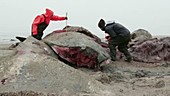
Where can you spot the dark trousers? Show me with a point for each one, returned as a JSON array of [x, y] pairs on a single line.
[[38, 36], [121, 42]]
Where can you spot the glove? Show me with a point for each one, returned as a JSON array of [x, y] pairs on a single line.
[[66, 18]]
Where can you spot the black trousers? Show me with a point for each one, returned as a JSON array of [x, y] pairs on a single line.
[[38, 36], [121, 42]]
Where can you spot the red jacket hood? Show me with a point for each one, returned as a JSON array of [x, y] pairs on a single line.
[[49, 13]]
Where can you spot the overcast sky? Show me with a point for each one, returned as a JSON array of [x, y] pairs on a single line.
[[152, 15]]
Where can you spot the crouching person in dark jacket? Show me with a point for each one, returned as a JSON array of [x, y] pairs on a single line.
[[118, 36]]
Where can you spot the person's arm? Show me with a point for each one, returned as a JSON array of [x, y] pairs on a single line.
[[39, 19], [110, 30], [58, 18]]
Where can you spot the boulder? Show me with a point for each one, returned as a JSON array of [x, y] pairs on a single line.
[[140, 34]]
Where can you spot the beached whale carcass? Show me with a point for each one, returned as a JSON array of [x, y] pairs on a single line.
[[151, 50], [34, 69], [77, 48]]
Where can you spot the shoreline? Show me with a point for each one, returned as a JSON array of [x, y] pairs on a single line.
[[14, 40]]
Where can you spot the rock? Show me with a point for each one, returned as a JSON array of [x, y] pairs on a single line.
[[159, 84], [140, 34], [140, 73]]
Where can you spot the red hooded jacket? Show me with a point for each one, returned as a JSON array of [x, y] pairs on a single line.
[[49, 15]]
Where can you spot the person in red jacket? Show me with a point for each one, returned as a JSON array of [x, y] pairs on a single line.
[[41, 22]]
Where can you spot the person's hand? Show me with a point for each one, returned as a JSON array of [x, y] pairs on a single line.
[[107, 38], [66, 18]]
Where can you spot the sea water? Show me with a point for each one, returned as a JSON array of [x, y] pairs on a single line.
[[7, 38]]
